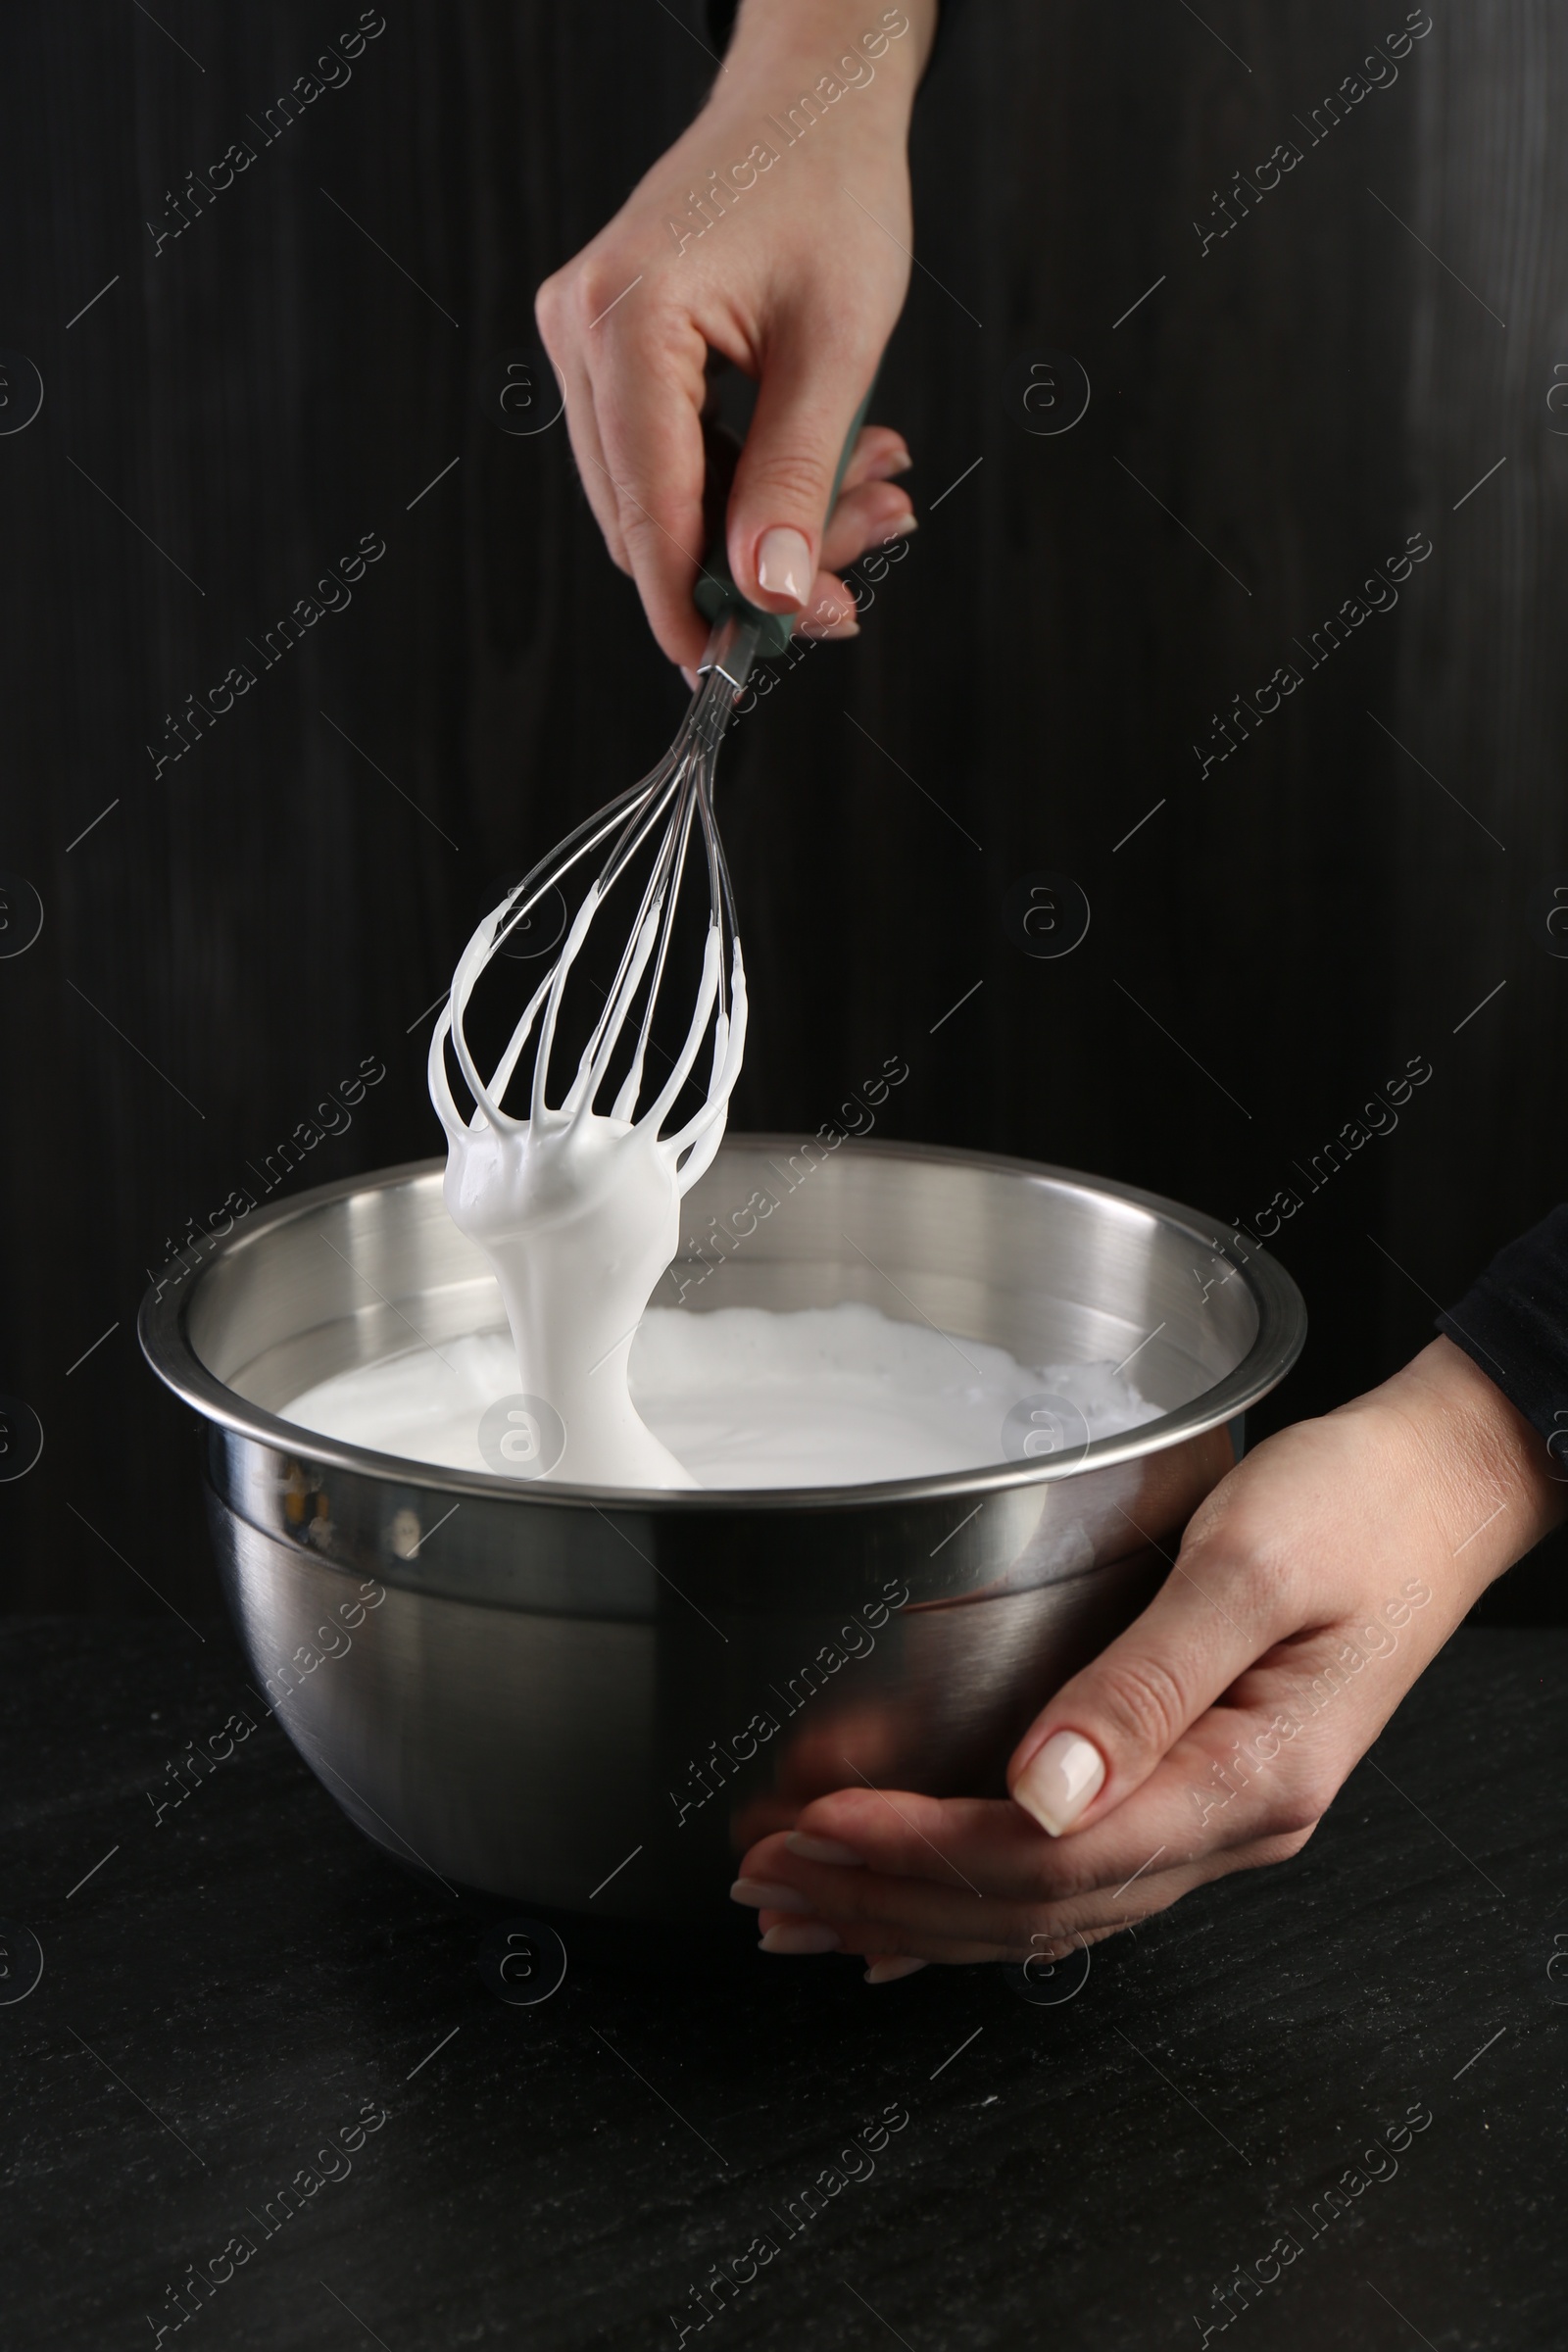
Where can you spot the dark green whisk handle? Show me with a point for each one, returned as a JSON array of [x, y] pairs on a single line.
[[716, 594]]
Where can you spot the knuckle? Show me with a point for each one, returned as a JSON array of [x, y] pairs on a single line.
[[793, 474], [1275, 1843], [1144, 1703], [1140, 1918], [603, 299], [568, 301], [1296, 1811], [1046, 1946], [641, 530], [1275, 1573], [550, 307], [1297, 1818], [1059, 1874], [1158, 1900], [1288, 1844], [592, 293], [655, 551], [1243, 1551]]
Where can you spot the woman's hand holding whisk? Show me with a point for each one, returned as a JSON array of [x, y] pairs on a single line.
[[776, 232]]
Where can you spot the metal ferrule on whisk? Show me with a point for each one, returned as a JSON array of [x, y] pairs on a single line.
[[732, 648]]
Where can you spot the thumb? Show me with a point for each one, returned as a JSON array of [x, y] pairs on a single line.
[[1106, 1730], [806, 403]]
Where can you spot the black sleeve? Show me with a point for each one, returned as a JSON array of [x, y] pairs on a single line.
[[1513, 1322]]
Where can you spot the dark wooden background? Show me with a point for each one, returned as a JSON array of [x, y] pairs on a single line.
[[289, 898]]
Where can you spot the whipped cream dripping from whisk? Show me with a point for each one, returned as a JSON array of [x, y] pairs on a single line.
[[578, 1211]]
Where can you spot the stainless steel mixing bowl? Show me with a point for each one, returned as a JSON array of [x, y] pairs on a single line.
[[587, 1702]]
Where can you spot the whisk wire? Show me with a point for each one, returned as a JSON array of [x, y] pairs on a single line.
[[658, 907], [677, 793], [626, 1099]]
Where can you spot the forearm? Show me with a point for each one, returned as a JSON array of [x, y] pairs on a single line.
[[785, 50]]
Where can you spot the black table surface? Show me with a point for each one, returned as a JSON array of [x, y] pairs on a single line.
[[233, 1992]]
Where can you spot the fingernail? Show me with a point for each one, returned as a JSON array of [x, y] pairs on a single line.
[[784, 563], [888, 1971], [898, 462], [822, 1849], [1056, 1785], [799, 1941], [904, 526], [760, 1895], [690, 676]]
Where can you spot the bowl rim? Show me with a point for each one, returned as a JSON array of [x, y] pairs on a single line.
[[162, 1328]]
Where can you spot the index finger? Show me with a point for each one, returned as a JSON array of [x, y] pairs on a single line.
[[978, 1846], [649, 385]]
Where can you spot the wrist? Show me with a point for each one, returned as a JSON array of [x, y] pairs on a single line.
[[779, 55], [801, 30], [1480, 1467]]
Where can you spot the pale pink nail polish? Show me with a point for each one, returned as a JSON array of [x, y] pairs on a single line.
[[822, 1849], [888, 1971], [784, 563], [796, 1943], [1056, 1785], [762, 1894]]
